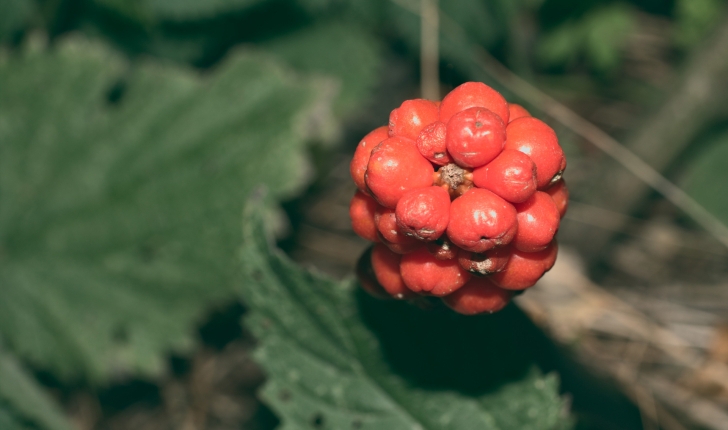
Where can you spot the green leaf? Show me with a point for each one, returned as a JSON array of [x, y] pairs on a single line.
[[317, 6], [8, 420], [707, 177], [599, 37], [23, 405], [14, 14], [561, 46], [187, 9], [337, 359], [177, 10], [540, 409], [335, 49], [119, 220], [607, 30], [694, 19]]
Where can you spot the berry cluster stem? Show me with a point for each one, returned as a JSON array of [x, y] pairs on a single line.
[[454, 179]]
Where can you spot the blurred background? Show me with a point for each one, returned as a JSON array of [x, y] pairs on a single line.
[[131, 133]]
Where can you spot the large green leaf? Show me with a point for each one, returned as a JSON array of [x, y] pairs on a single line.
[[707, 177], [337, 50], [337, 359], [23, 405], [119, 220]]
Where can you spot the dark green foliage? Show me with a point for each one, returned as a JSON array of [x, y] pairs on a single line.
[[9, 421], [14, 15], [337, 359], [177, 10], [23, 405], [339, 50], [201, 32], [695, 19], [707, 177], [597, 38], [475, 22], [121, 188]]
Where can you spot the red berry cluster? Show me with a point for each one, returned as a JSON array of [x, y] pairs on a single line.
[[463, 198]]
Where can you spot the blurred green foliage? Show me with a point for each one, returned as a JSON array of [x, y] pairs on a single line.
[[694, 19], [334, 49], [176, 10], [706, 178], [128, 148], [598, 38], [14, 15]]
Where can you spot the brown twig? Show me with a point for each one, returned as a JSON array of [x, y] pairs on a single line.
[[429, 49], [570, 307]]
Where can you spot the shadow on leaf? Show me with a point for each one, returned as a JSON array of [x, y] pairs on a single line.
[[439, 349]]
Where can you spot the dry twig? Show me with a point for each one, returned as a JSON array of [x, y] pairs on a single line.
[[577, 312], [429, 45]]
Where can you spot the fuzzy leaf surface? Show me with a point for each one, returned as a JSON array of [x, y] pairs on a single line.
[[337, 359], [120, 199]]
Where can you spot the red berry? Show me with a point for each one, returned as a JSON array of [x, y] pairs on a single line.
[[560, 193], [424, 212], [537, 140], [431, 143], [549, 255], [401, 248], [367, 278], [395, 167], [516, 111], [480, 220], [411, 117], [512, 176], [475, 136], [358, 166], [423, 273], [492, 209], [473, 94], [524, 269], [477, 296], [386, 269], [538, 221], [390, 233], [486, 263], [361, 212]]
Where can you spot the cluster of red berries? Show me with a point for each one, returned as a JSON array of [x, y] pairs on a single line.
[[463, 198]]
